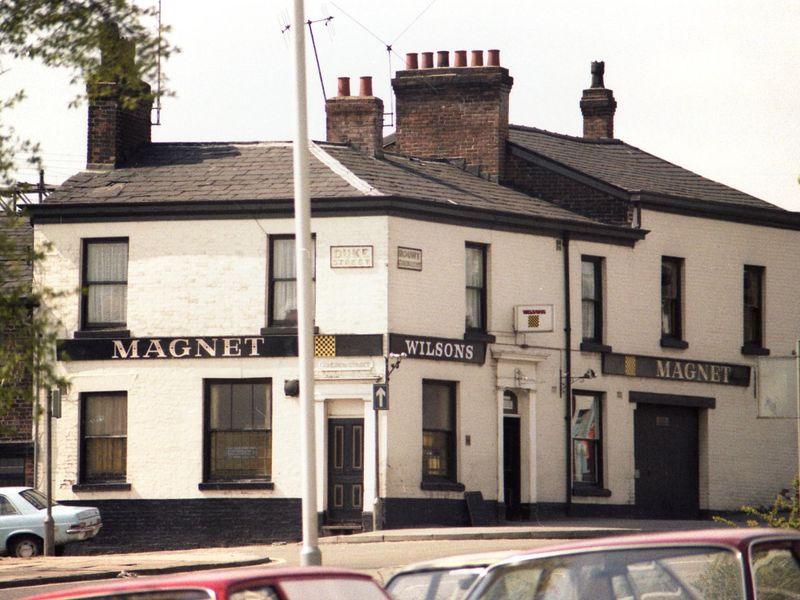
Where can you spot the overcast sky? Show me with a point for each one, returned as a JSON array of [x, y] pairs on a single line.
[[711, 85]]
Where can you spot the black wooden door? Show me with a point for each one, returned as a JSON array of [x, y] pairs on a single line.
[[345, 470], [666, 457], [511, 467]]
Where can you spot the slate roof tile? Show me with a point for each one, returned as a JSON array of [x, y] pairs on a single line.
[[628, 168]]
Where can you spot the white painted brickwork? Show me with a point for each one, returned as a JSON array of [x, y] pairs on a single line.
[[209, 278]]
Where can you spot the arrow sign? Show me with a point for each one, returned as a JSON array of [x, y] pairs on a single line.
[[380, 396]]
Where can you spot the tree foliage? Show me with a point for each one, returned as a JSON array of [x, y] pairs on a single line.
[[784, 512], [97, 41], [27, 328]]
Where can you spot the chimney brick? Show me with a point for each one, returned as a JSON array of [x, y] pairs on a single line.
[[357, 120], [454, 113], [116, 130], [598, 106]]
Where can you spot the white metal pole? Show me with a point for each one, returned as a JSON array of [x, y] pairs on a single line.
[[310, 553]]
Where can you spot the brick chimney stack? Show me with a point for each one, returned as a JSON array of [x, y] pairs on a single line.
[[598, 106], [458, 112], [357, 120], [116, 130]]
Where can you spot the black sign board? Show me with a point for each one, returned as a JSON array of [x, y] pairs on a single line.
[[380, 396], [437, 348], [676, 369]]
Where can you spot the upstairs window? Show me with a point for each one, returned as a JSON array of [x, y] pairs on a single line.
[[753, 303], [283, 281], [105, 284], [475, 321], [592, 299], [672, 302]]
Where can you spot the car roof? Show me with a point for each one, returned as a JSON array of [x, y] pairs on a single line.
[[215, 580], [478, 559], [9, 489], [734, 537]]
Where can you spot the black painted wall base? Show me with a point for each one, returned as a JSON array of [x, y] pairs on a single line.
[[140, 525]]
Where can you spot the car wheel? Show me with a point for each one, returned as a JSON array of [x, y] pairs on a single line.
[[26, 547]]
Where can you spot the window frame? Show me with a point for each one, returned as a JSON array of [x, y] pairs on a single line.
[[482, 290], [753, 315], [272, 238], [83, 476], [597, 441], [451, 475], [675, 338], [210, 482], [598, 300], [86, 325]]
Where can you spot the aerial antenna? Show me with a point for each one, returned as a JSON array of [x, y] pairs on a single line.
[[158, 71], [310, 23], [389, 48]]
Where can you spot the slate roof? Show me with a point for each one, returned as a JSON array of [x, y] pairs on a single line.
[[225, 172], [628, 168]]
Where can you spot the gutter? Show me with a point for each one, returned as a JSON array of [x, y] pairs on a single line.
[[567, 377]]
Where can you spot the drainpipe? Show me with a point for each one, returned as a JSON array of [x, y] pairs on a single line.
[[567, 387]]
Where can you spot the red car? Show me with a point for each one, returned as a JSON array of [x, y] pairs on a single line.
[[712, 564], [257, 583]]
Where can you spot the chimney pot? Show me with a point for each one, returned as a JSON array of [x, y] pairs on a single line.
[[494, 58], [477, 58], [412, 62], [598, 69], [365, 86], [461, 58], [344, 86], [443, 58], [427, 60]]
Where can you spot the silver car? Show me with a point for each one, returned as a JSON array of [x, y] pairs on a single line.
[[22, 515]]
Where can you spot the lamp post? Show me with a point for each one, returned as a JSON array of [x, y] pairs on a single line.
[[310, 554]]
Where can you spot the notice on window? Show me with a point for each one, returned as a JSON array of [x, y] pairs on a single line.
[[351, 257]]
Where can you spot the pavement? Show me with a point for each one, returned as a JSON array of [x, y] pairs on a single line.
[[21, 572]]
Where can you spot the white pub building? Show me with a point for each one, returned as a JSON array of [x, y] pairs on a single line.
[[570, 324]]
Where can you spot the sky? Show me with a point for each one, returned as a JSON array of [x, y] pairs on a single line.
[[710, 85]]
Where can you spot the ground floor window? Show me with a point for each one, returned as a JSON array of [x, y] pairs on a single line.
[[438, 431], [238, 435], [587, 448], [104, 437]]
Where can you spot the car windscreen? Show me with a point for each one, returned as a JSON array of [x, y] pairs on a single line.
[[676, 573], [441, 584]]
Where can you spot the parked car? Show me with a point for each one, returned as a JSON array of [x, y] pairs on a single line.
[[256, 583], [442, 578], [22, 515], [713, 564]]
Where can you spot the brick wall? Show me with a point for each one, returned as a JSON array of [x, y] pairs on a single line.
[[140, 525], [566, 192]]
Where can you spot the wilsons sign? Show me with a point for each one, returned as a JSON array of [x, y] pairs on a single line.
[[438, 348], [676, 369]]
